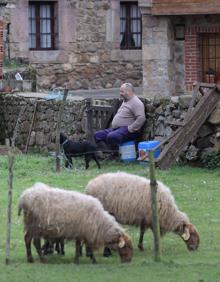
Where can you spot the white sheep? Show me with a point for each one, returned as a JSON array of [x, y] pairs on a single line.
[[53, 213], [128, 198]]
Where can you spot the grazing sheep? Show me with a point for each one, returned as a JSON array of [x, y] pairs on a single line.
[[128, 198], [54, 213]]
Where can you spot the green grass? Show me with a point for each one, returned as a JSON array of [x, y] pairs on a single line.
[[196, 190]]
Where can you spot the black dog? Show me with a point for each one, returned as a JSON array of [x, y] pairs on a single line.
[[73, 149]]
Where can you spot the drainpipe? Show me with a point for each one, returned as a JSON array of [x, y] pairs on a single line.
[[8, 40]]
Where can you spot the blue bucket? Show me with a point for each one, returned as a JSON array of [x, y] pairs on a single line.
[[144, 147], [127, 151]]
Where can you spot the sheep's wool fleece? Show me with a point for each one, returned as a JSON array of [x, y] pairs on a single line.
[[56, 212], [128, 197]]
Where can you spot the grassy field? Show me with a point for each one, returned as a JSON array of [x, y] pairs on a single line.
[[196, 190]]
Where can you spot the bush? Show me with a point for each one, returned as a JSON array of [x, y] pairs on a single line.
[[211, 159]]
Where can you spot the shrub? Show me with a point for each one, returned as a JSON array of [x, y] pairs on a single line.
[[211, 159]]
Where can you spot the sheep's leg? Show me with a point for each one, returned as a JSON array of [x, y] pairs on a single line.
[[28, 238], [47, 247], [77, 255], [93, 258], [62, 247], [107, 252], [50, 247], [57, 246], [38, 249], [142, 231], [81, 249], [89, 253]]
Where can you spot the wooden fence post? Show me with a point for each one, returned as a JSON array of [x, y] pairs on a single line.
[[59, 119], [89, 119], [31, 127], [10, 185], [15, 132], [155, 217]]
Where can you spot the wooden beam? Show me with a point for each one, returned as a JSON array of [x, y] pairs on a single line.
[[186, 7], [192, 124], [189, 2], [18, 123], [89, 119], [31, 127]]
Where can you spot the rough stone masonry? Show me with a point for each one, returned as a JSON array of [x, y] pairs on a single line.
[[162, 116]]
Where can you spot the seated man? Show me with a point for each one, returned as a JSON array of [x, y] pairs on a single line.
[[126, 123]]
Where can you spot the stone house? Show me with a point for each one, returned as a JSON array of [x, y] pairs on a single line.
[[77, 42], [164, 46], [180, 44]]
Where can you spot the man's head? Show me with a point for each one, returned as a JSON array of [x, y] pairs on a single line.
[[126, 91]]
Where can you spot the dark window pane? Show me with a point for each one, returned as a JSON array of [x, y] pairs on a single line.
[[41, 30], [130, 26], [210, 57], [32, 27]]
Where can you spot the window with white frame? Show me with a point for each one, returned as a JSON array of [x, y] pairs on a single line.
[[130, 26], [42, 25]]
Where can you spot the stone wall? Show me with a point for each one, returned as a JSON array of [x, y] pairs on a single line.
[[162, 115], [44, 127], [88, 75], [87, 54], [165, 115]]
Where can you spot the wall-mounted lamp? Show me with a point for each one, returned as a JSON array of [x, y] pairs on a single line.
[[179, 31], [3, 4]]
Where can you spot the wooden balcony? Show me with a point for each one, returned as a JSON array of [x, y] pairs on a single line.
[[184, 7]]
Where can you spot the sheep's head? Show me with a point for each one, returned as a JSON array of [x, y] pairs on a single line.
[[190, 236], [124, 247]]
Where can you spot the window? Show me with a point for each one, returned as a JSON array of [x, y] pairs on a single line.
[[41, 25], [179, 32], [210, 57], [130, 26]]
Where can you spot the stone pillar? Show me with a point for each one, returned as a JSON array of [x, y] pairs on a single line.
[[19, 28], [157, 56], [2, 23], [1, 48]]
